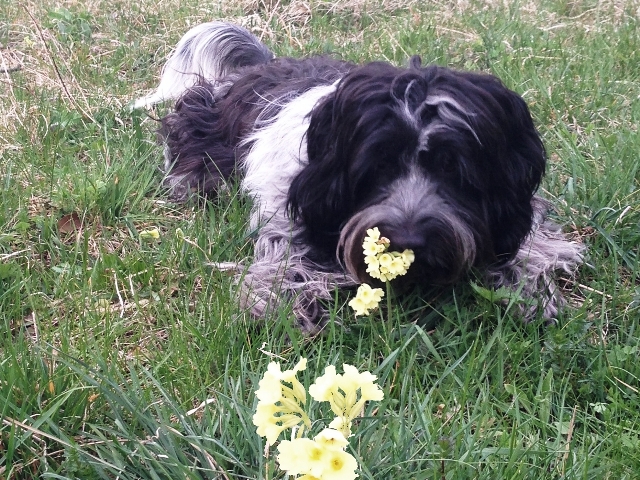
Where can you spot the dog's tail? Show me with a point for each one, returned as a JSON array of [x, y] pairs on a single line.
[[209, 51]]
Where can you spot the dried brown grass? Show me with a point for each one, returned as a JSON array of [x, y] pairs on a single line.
[[32, 50]]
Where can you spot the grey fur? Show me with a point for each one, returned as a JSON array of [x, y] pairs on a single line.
[[281, 272], [408, 202], [531, 273]]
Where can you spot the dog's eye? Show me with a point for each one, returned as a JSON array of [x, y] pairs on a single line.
[[428, 113]]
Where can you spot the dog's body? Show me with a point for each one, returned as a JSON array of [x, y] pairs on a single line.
[[443, 162]]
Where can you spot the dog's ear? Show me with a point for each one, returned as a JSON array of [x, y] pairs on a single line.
[[344, 133], [498, 139], [318, 195], [516, 159], [198, 156]]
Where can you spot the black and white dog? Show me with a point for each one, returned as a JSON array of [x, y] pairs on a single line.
[[443, 162]]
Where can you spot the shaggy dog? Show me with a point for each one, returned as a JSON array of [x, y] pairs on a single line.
[[443, 162]]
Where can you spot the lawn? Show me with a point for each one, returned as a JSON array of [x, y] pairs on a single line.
[[127, 356]]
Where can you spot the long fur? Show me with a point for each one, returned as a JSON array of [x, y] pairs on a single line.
[[444, 162], [209, 51]]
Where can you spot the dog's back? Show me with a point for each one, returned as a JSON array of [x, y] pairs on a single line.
[[227, 85]]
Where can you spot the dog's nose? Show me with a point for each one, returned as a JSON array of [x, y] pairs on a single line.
[[406, 239]]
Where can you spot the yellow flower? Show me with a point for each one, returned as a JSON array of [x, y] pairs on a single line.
[[373, 234], [331, 439], [267, 422], [374, 271], [358, 306], [370, 248], [270, 390], [346, 394], [366, 299], [322, 389], [368, 294], [397, 266], [271, 420], [381, 264], [279, 405], [372, 260], [353, 380], [291, 456], [342, 424], [316, 460], [408, 257], [339, 466], [289, 375], [274, 370], [385, 260], [279, 408], [301, 456]]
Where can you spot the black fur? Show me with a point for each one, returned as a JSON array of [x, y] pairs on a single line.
[[358, 142]]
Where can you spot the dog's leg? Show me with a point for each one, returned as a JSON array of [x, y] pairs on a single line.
[[282, 270], [265, 288], [532, 271], [282, 273]]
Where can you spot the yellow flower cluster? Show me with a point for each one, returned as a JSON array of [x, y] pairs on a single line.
[[382, 264], [346, 394], [280, 405], [322, 458], [366, 299], [281, 397]]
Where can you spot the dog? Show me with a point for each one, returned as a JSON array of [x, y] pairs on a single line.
[[446, 163]]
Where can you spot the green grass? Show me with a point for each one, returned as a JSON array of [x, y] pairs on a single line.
[[108, 339]]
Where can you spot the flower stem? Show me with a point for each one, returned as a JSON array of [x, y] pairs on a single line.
[[388, 299]]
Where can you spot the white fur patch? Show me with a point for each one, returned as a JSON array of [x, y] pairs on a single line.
[[278, 153]]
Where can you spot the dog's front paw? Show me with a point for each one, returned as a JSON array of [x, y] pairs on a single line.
[[311, 315]]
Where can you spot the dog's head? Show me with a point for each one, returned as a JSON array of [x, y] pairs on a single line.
[[442, 162]]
